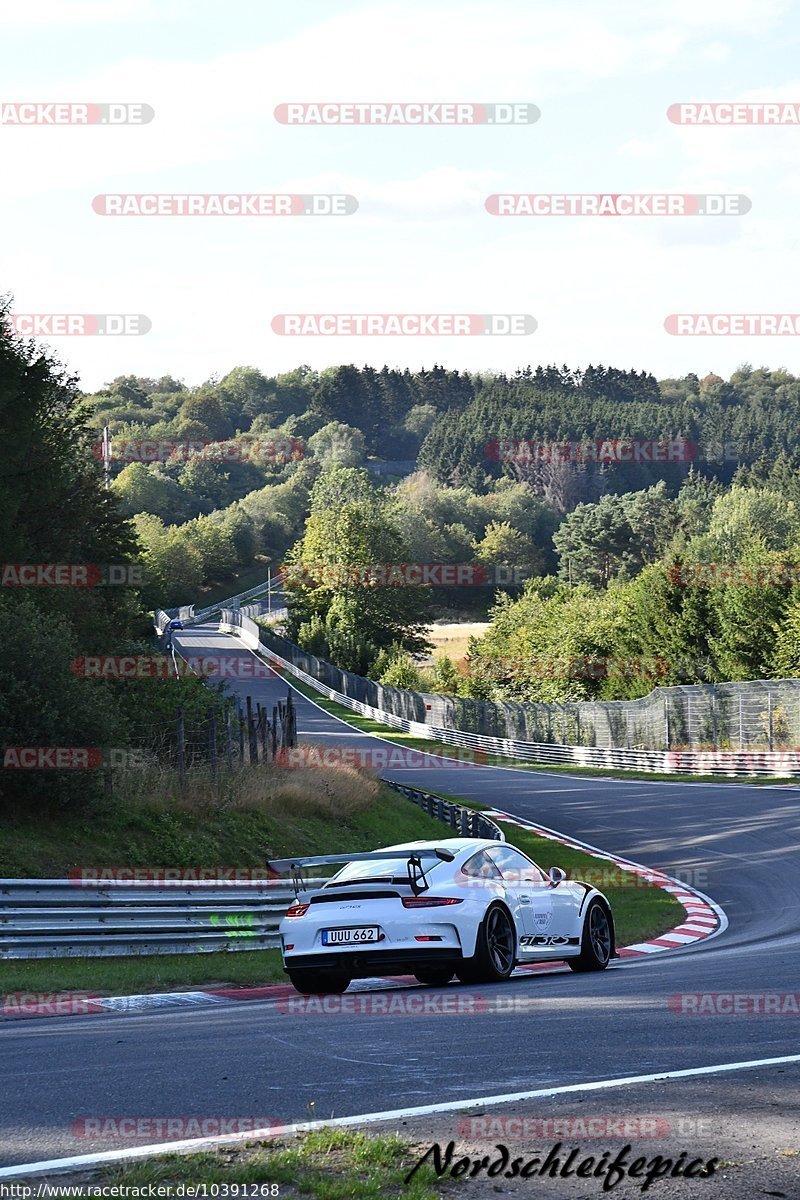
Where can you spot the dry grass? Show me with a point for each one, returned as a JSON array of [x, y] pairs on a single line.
[[339, 792]]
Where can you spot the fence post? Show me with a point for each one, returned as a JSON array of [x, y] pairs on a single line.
[[241, 737], [251, 732], [741, 724], [714, 725], [212, 743], [771, 721], [228, 739], [666, 722], [181, 748]]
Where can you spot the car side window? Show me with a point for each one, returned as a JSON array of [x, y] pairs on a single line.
[[515, 867], [480, 866]]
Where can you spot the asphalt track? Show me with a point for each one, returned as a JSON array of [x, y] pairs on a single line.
[[739, 844]]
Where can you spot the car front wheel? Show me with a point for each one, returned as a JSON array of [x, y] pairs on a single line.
[[596, 940]]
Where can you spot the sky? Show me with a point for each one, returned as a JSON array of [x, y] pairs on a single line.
[[603, 74]]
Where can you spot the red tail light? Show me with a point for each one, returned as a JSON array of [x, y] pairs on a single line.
[[297, 910], [429, 901]]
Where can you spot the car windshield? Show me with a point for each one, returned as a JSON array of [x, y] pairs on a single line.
[[394, 870]]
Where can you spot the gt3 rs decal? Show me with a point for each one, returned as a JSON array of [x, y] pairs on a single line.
[[530, 942]]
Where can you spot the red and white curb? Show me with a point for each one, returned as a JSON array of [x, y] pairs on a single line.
[[704, 917]]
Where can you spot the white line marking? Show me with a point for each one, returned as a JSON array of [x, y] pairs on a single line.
[[231, 1139]]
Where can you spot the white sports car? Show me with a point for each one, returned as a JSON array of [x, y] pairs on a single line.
[[462, 906]]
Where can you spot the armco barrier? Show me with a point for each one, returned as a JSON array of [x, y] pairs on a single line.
[[63, 918], [466, 822], [726, 763]]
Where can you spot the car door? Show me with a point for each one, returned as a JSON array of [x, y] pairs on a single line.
[[482, 871], [532, 897]]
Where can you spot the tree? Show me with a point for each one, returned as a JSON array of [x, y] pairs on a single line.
[[350, 526], [593, 541], [173, 567], [336, 443], [504, 546], [143, 488], [203, 410]]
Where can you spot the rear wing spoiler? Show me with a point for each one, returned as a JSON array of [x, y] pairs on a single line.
[[416, 873], [283, 866]]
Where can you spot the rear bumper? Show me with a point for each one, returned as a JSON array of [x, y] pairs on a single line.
[[361, 964]]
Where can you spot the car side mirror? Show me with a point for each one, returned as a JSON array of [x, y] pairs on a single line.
[[556, 876]]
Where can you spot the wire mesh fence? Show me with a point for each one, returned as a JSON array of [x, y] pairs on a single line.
[[753, 714]]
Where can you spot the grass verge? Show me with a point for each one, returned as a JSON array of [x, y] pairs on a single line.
[[329, 1164]]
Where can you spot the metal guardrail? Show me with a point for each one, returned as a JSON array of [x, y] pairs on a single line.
[[274, 583], [466, 822], [63, 918]]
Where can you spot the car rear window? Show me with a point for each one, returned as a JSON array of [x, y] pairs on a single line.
[[394, 870]]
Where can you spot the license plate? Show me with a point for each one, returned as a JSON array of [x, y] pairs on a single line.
[[345, 937]]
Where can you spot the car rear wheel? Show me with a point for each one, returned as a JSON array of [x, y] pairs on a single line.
[[434, 976], [319, 983], [495, 949], [595, 940]]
